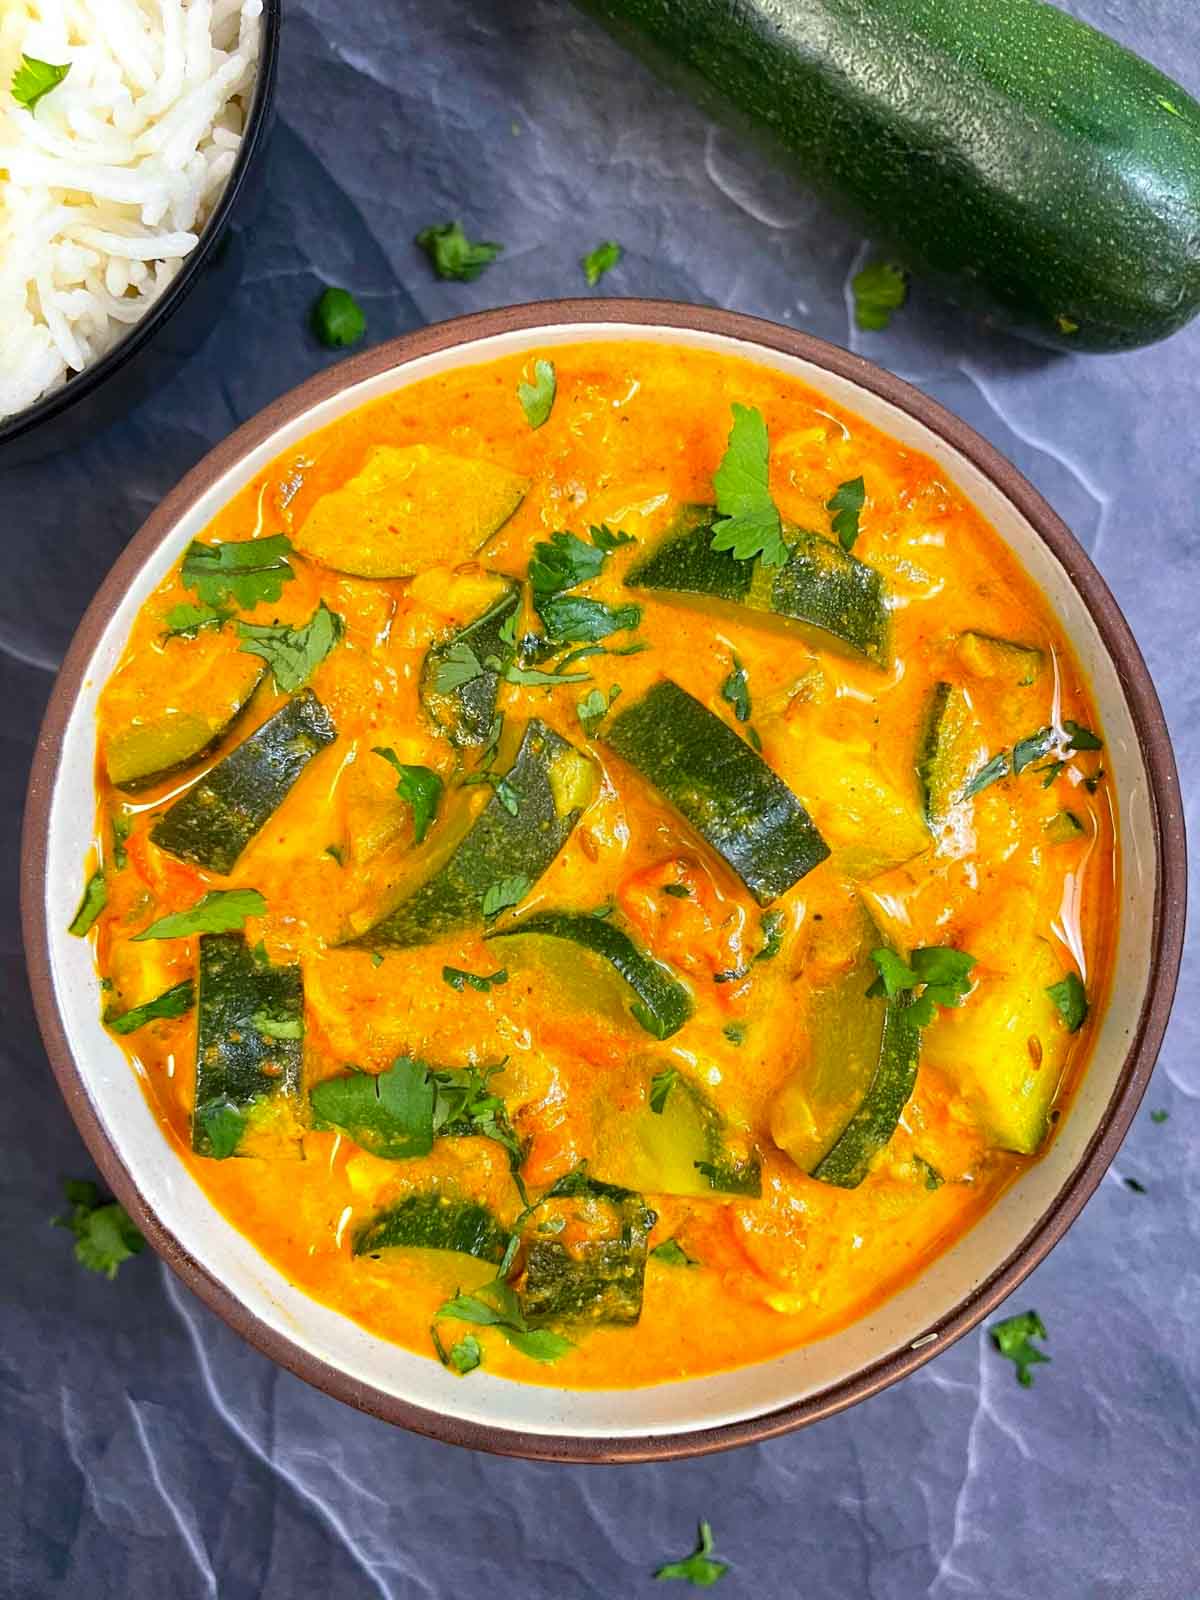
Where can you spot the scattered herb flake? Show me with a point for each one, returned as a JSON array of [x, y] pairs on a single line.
[[34, 78], [1135, 1186], [771, 925], [507, 892], [879, 290], [122, 827], [594, 707], [185, 621], [220, 911], [735, 691], [175, 1002], [1079, 738], [601, 260], [608, 540], [847, 504], [672, 1254], [451, 253], [93, 902], [337, 319], [293, 654], [1032, 748], [751, 525], [246, 571], [677, 891], [939, 972], [337, 853], [562, 562], [420, 786], [224, 1124], [460, 980], [537, 398], [735, 1032], [1071, 999], [104, 1234], [994, 770], [1159, 1116], [661, 1085], [701, 1569], [458, 665], [1011, 1337]]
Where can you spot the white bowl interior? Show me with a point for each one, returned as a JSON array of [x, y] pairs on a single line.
[[909, 1317]]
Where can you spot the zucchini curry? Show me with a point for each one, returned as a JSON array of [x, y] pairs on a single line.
[[603, 864]]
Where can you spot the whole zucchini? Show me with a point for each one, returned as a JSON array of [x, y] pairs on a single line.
[[1025, 163]]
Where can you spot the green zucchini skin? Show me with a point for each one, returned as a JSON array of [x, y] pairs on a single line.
[[820, 584], [949, 755], [498, 845], [217, 818], [465, 714], [434, 1222], [663, 1004], [721, 786], [599, 1279], [871, 1127], [1023, 162], [237, 1065]]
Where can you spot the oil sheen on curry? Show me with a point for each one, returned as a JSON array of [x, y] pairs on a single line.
[[603, 865]]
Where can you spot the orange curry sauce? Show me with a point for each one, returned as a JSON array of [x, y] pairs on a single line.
[[635, 430]]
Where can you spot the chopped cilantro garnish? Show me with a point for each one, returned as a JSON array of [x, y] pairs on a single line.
[[122, 827], [939, 972], [185, 622], [661, 1085], [220, 911], [104, 1234], [537, 397], [701, 1569], [336, 853], [337, 319], [420, 786], [34, 78], [572, 618], [604, 538], [95, 898], [173, 1002], [390, 1114], [224, 1124], [460, 980], [750, 523], [451, 253], [672, 1254], [1033, 748], [1071, 999], [772, 925], [995, 769], [245, 571], [735, 691], [561, 562], [495, 1305], [601, 260], [594, 707], [462, 1357], [507, 892], [293, 654], [879, 290], [735, 1032], [677, 891], [458, 665], [846, 506], [1011, 1337]]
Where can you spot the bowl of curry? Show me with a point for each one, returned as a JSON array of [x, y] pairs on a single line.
[[631, 879]]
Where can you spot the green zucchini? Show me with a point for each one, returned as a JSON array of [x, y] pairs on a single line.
[[511, 841], [598, 1276], [217, 818], [466, 711], [1016, 158], [1065, 827], [434, 1222], [200, 689], [836, 1114], [1017, 665], [820, 585], [249, 1049], [661, 1003], [721, 786], [953, 751], [685, 1148]]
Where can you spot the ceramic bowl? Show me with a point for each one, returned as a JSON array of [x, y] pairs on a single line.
[[675, 1419]]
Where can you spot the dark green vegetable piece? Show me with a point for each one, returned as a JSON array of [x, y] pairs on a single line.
[[174, 1002], [819, 585], [92, 903], [338, 319], [249, 1041], [501, 849], [105, 1236], [219, 911], [662, 1005], [457, 690], [1014, 157], [217, 818], [873, 1124], [246, 571], [1070, 997], [599, 1278], [601, 260], [435, 1222], [723, 788], [1012, 1338]]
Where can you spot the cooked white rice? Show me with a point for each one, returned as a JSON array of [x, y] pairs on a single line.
[[107, 182]]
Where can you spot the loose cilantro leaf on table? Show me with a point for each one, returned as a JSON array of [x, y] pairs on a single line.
[[34, 78], [185, 622], [220, 911], [937, 971], [451, 253], [879, 290], [246, 571], [1011, 1337], [661, 1085], [420, 786], [293, 654], [337, 319], [1070, 997], [104, 1234], [95, 898], [1159, 1116], [462, 1357], [572, 618], [601, 260], [537, 398], [460, 980], [1134, 1186], [507, 892], [174, 1002], [846, 505], [701, 1569], [751, 525], [735, 691]]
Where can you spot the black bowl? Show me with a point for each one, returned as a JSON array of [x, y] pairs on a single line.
[[177, 325]]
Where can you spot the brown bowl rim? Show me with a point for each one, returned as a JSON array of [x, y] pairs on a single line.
[[1169, 847]]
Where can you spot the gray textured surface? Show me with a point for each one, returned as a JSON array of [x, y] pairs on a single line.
[[144, 1450]]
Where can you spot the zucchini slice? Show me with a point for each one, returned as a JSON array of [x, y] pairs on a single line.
[[721, 786], [841, 1109], [820, 585], [1015, 665], [172, 707], [953, 751], [585, 1256], [686, 1148], [661, 1003], [859, 812], [410, 507], [549, 783], [217, 818], [249, 1049], [466, 710], [434, 1222]]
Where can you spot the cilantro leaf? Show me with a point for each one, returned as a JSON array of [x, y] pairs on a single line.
[[601, 260], [389, 1114], [572, 618], [661, 1085], [34, 78], [595, 706], [245, 571], [185, 622], [458, 665], [561, 562], [879, 290], [451, 253], [1011, 1337], [224, 1124], [220, 911], [1070, 997], [420, 786], [104, 1233], [847, 506], [1032, 748], [677, 891], [462, 1357], [337, 319], [751, 524], [735, 1032], [603, 537], [507, 892], [460, 980], [502, 1310], [122, 827], [534, 675], [735, 691], [772, 926], [93, 902], [992, 772], [537, 398], [700, 1569], [173, 1002], [293, 654], [939, 972], [1079, 738], [672, 1254]]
